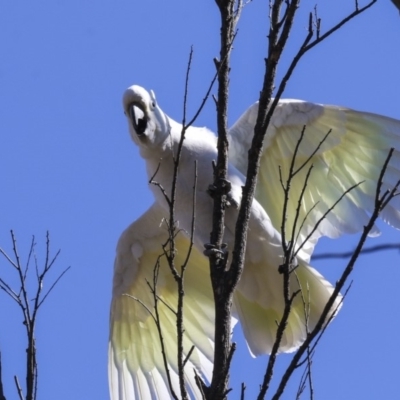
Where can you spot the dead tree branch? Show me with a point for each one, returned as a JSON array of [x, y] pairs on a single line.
[[169, 248], [381, 200], [224, 280], [30, 308], [221, 283], [368, 250], [2, 395], [396, 3]]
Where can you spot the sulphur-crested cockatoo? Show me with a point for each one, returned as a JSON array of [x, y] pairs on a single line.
[[353, 152]]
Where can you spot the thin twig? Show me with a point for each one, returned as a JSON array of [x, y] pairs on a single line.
[[278, 35], [52, 286], [309, 373], [31, 252], [181, 293], [287, 248], [30, 309], [325, 214], [381, 200], [302, 385], [157, 320], [18, 386], [188, 356], [368, 250], [331, 317], [242, 391], [187, 86], [142, 304], [308, 45]]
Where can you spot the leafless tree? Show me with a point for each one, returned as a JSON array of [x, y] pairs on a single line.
[[225, 277], [29, 303]]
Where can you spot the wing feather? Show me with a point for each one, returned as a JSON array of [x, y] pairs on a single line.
[[136, 367], [259, 304], [352, 154]]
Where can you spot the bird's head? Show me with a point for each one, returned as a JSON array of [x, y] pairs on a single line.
[[148, 125]]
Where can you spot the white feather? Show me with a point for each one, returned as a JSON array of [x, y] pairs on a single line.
[[348, 148]]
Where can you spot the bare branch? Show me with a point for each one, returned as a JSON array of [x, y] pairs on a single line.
[[309, 373], [142, 304], [28, 309], [302, 385], [155, 183], [380, 201], [18, 386], [368, 250], [278, 35], [181, 293], [242, 391], [200, 384], [31, 252], [159, 327], [188, 356], [357, 11], [52, 286], [4, 286], [330, 209], [396, 3], [187, 86], [203, 102], [8, 258], [325, 327], [222, 284], [306, 378], [2, 395]]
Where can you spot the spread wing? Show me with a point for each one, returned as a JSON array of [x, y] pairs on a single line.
[[136, 367], [350, 149]]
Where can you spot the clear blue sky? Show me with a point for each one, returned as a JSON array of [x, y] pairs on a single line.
[[67, 165]]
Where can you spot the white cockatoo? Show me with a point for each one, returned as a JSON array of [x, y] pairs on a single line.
[[353, 152]]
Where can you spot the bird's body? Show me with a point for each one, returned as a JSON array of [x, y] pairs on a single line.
[[160, 168], [136, 371]]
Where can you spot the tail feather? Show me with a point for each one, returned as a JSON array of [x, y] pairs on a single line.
[[260, 314]]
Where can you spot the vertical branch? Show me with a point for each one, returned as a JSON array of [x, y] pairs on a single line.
[[223, 279], [280, 29], [2, 396], [381, 200], [222, 289], [172, 232], [31, 376], [157, 320], [277, 39], [181, 293], [30, 312], [278, 35]]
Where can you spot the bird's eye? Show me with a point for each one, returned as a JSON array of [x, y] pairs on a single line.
[[153, 104], [139, 119]]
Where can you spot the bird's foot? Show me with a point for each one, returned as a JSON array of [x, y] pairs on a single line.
[[212, 250], [288, 267], [223, 187]]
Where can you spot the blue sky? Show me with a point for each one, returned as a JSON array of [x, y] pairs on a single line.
[[67, 165]]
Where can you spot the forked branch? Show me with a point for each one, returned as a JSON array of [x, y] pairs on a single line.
[[30, 308], [381, 201]]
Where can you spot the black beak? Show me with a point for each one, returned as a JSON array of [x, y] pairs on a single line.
[[139, 119]]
